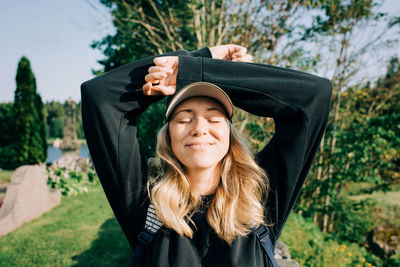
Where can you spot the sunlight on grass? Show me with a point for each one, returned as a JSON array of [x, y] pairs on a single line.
[[388, 206], [5, 175], [82, 231]]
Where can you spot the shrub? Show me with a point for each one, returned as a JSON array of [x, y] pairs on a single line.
[[311, 247], [73, 179], [353, 220]]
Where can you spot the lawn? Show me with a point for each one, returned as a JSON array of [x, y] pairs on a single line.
[[81, 231], [5, 175]]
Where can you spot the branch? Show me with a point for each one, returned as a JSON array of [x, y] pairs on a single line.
[[167, 32]]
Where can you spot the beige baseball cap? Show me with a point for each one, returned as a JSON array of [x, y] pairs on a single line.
[[199, 89]]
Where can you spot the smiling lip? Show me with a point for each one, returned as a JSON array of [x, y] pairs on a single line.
[[199, 145]]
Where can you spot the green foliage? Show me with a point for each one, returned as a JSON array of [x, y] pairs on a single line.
[[54, 119], [131, 40], [311, 247], [362, 139], [55, 116], [367, 150], [146, 28], [7, 136], [387, 208], [70, 181], [352, 219], [148, 126], [340, 16], [79, 127], [6, 124], [30, 139], [40, 126]]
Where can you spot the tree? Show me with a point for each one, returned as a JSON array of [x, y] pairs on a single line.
[[345, 53], [6, 124], [79, 127], [271, 30], [30, 135], [7, 130], [54, 119]]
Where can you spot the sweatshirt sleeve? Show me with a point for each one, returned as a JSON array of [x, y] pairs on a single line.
[[111, 104], [298, 102]]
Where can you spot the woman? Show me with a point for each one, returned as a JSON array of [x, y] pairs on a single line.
[[209, 193]]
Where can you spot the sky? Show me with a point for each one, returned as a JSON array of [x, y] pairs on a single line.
[[55, 35]]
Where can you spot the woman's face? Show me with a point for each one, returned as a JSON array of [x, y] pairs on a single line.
[[200, 133]]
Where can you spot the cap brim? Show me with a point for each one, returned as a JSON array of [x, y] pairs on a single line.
[[200, 89]]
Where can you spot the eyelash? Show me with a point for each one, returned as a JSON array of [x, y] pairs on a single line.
[[212, 121]]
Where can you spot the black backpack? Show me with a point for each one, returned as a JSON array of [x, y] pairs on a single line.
[[153, 224]]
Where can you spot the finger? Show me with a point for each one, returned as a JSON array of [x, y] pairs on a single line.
[[239, 54], [155, 77], [162, 61], [147, 88], [246, 58], [165, 90], [239, 50], [160, 69]]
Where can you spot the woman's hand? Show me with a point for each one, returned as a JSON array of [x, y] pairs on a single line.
[[161, 79], [231, 52]]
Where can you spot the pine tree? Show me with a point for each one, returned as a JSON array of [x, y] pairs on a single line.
[[30, 144]]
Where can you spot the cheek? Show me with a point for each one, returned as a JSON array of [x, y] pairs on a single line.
[[176, 136], [224, 136]]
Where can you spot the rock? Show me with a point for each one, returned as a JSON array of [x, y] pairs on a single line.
[[27, 197], [384, 240], [282, 255]]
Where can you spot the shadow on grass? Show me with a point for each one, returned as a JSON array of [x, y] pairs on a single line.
[[110, 248]]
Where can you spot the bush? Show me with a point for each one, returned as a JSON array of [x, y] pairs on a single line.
[[353, 220], [7, 158], [71, 180], [311, 247]]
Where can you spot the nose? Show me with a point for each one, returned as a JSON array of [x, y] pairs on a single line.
[[200, 127]]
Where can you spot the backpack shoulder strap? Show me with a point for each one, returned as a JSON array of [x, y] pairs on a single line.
[[262, 233], [152, 225]]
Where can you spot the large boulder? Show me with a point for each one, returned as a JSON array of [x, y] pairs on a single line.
[[27, 197]]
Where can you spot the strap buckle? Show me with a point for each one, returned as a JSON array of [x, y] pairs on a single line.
[[145, 238], [262, 233]]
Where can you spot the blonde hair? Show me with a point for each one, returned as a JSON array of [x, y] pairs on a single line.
[[237, 205]]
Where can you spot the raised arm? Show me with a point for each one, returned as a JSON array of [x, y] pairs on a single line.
[[298, 102], [110, 106]]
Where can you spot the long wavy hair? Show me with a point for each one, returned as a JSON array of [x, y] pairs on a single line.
[[237, 205]]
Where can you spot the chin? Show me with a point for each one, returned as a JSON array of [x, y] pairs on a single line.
[[200, 163]]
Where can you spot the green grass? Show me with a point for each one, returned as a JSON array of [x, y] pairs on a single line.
[[5, 175], [387, 209], [81, 231]]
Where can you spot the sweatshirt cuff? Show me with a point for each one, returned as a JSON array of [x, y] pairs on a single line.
[[190, 70], [203, 52]]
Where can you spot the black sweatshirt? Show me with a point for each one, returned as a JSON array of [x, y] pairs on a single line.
[[298, 102]]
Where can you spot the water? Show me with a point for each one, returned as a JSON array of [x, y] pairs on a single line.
[[54, 153]]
